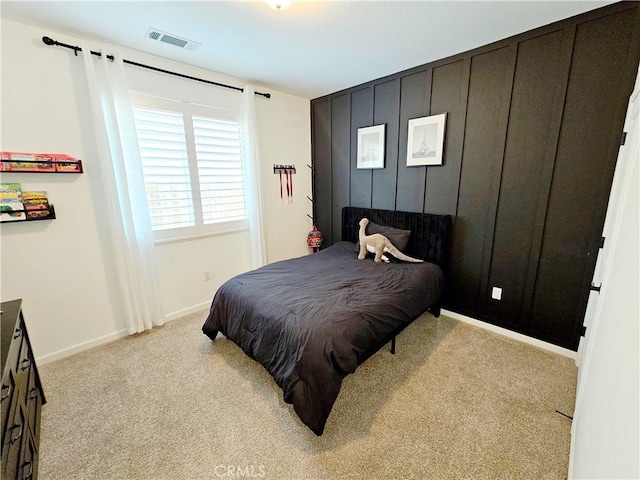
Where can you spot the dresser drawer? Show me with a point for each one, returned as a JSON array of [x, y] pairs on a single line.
[[8, 397], [28, 463], [22, 397], [25, 360], [13, 437], [13, 358], [34, 400]]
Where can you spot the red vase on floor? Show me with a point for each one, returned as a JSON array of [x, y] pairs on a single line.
[[314, 239]]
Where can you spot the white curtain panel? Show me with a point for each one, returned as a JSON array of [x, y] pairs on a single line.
[[125, 198], [253, 175]]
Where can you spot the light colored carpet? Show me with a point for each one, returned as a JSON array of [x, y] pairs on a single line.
[[454, 402]]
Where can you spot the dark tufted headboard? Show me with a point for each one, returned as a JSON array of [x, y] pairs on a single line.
[[430, 234]]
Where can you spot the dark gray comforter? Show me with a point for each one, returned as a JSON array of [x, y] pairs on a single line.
[[310, 321]]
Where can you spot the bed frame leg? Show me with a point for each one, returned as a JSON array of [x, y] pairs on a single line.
[[435, 310], [393, 346]]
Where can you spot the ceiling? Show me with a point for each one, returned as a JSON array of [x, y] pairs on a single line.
[[311, 49]]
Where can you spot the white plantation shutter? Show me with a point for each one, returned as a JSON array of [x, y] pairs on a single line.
[[193, 168], [218, 146], [165, 166]]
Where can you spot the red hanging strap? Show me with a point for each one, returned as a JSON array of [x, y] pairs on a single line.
[[286, 176], [290, 173]]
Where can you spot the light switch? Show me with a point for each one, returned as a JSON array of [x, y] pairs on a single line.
[[496, 293]]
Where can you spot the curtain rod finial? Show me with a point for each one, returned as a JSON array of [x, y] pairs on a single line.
[[48, 40]]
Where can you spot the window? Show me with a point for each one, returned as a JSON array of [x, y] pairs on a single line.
[[219, 154], [192, 167], [165, 166]]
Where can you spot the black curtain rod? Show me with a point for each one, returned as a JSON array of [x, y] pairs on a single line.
[[76, 49]]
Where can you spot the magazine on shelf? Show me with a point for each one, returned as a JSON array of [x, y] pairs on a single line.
[[22, 162], [4, 164], [36, 204], [11, 206]]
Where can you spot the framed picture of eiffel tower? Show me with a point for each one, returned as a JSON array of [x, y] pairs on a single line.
[[370, 151], [425, 142]]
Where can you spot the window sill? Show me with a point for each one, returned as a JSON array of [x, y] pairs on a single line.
[[198, 236]]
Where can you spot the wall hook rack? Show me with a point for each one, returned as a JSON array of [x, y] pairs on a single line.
[[288, 171], [284, 169]]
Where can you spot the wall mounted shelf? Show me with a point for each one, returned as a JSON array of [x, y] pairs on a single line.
[[48, 216], [54, 166]]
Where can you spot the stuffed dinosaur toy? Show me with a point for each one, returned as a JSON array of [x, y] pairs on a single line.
[[379, 244]]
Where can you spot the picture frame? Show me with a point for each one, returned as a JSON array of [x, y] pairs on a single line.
[[425, 141], [371, 146]]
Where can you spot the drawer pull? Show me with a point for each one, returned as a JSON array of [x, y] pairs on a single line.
[[17, 437], [17, 333], [8, 388], [26, 475], [33, 393], [28, 363]]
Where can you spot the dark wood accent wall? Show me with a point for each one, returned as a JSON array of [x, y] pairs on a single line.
[[533, 128]]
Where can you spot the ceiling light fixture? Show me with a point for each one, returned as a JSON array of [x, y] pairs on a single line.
[[279, 4]]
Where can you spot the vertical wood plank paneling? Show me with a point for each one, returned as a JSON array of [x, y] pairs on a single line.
[[414, 103], [322, 191], [553, 136], [538, 76], [482, 154], [386, 106], [583, 168], [361, 116], [529, 199], [448, 94], [624, 87], [340, 141], [496, 181]]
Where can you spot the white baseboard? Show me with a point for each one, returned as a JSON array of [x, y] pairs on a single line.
[[205, 305], [65, 352], [186, 311], [508, 333]]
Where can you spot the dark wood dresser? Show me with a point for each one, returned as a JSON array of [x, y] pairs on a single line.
[[22, 397]]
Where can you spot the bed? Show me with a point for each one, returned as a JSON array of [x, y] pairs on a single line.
[[311, 321]]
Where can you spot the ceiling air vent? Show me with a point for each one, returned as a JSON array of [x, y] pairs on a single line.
[[159, 35]]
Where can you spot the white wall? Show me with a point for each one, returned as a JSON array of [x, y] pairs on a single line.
[[285, 139], [61, 268], [606, 428]]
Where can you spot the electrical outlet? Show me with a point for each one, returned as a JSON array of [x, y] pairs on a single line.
[[207, 275], [496, 293]]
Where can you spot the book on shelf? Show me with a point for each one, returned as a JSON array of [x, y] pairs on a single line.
[[44, 162], [36, 204], [20, 162], [11, 206], [66, 163]]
